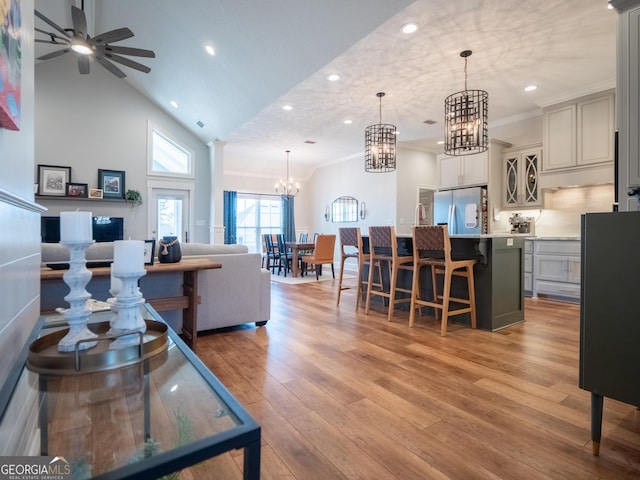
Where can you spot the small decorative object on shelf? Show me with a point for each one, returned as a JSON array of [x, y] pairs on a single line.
[[76, 235], [169, 250], [133, 197], [128, 266]]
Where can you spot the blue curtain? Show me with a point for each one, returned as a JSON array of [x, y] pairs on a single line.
[[288, 222], [229, 206]]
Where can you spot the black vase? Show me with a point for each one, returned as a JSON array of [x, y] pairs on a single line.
[[169, 250]]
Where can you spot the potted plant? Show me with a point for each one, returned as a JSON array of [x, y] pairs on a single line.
[[133, 197]]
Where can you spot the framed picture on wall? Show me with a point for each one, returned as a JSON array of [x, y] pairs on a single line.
[[52, 180], [79, 190], [111, 182], [95, 193]]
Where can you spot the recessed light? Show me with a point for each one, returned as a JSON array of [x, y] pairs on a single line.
[[174, 104], [348, 122], [333, 77], [287, 107], [609, 6], [210, 50], [530, 88], [409, 28]]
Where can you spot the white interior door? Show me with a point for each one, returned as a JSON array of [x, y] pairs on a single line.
[[170, 214]]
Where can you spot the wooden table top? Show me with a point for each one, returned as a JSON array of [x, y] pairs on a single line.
[[185, 265]]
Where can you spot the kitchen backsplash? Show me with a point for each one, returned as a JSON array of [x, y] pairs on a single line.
[[560, 216]]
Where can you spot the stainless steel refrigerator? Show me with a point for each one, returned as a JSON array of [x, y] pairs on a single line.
[[464, 210]]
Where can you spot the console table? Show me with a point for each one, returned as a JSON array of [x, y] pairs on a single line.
[[188, 303], [152, 418]]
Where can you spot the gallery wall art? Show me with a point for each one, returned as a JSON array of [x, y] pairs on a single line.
[[10, 63]]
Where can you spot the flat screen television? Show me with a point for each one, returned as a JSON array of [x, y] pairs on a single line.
[[105, 229]]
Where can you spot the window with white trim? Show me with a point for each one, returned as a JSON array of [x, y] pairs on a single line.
[[168, 157]]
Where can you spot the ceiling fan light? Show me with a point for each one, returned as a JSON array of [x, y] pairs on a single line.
[[81, 48]]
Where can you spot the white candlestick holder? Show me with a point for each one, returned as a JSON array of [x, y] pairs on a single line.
[[127, 316], [77, 278]]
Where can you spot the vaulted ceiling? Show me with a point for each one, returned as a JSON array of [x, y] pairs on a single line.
[[280, 52]]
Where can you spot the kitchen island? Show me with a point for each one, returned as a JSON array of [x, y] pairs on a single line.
[[498, 276]]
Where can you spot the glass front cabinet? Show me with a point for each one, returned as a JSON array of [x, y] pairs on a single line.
[[521, 180]]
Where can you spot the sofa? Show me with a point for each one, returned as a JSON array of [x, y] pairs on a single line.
[[237, 293]]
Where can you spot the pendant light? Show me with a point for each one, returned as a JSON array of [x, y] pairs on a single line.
[[465, 119], [380, 145], [286, 185]]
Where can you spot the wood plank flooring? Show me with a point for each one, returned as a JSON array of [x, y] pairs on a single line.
[[343, 395]]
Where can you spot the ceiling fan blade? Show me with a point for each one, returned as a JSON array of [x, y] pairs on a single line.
[[37, 40], [52, 24], [128, 63], [110, 66], [83, 64], [112, 36], [55, 54], [52, 35], [79, 22], [136, 52]]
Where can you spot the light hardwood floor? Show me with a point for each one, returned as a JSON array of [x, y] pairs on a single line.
[[343, 395]]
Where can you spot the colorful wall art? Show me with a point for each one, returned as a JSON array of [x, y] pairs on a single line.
[[10, 63]]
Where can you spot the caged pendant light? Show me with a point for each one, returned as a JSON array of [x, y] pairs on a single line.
[[286, 185], [465, 119], [380, 145]]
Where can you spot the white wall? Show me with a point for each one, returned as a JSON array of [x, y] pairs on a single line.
[[97, 121]]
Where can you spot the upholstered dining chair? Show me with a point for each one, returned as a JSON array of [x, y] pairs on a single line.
[[383, 248], [432, 248], [322, 254]]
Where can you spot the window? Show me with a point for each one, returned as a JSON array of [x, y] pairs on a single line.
[[168, 157], [257, 215]]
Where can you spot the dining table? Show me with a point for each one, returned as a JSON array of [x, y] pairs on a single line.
[[296, 248]]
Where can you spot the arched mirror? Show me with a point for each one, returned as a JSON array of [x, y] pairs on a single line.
[[344, 209]]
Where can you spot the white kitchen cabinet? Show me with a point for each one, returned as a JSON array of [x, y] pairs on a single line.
[[463, 171], [520, 178], [556, 269], [628, 90], [580, 133]]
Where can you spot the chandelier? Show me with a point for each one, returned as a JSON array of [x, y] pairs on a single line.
[[380, 145], [465, 119], [286, 185]]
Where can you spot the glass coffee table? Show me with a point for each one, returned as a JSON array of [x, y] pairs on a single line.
[[146, 419]]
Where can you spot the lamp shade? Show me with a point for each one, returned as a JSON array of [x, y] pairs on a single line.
[[465, 119], [380, 145]]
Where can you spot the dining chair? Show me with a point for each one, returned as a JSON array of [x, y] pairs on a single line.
[[432, 248], [273, 256], [383, 247], [322, 254], [286, 257]]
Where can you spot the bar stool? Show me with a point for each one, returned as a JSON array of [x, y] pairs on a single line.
[[434, 244], [383, 247], [352, 239]]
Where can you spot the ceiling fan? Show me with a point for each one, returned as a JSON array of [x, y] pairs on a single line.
[[77, 40]]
